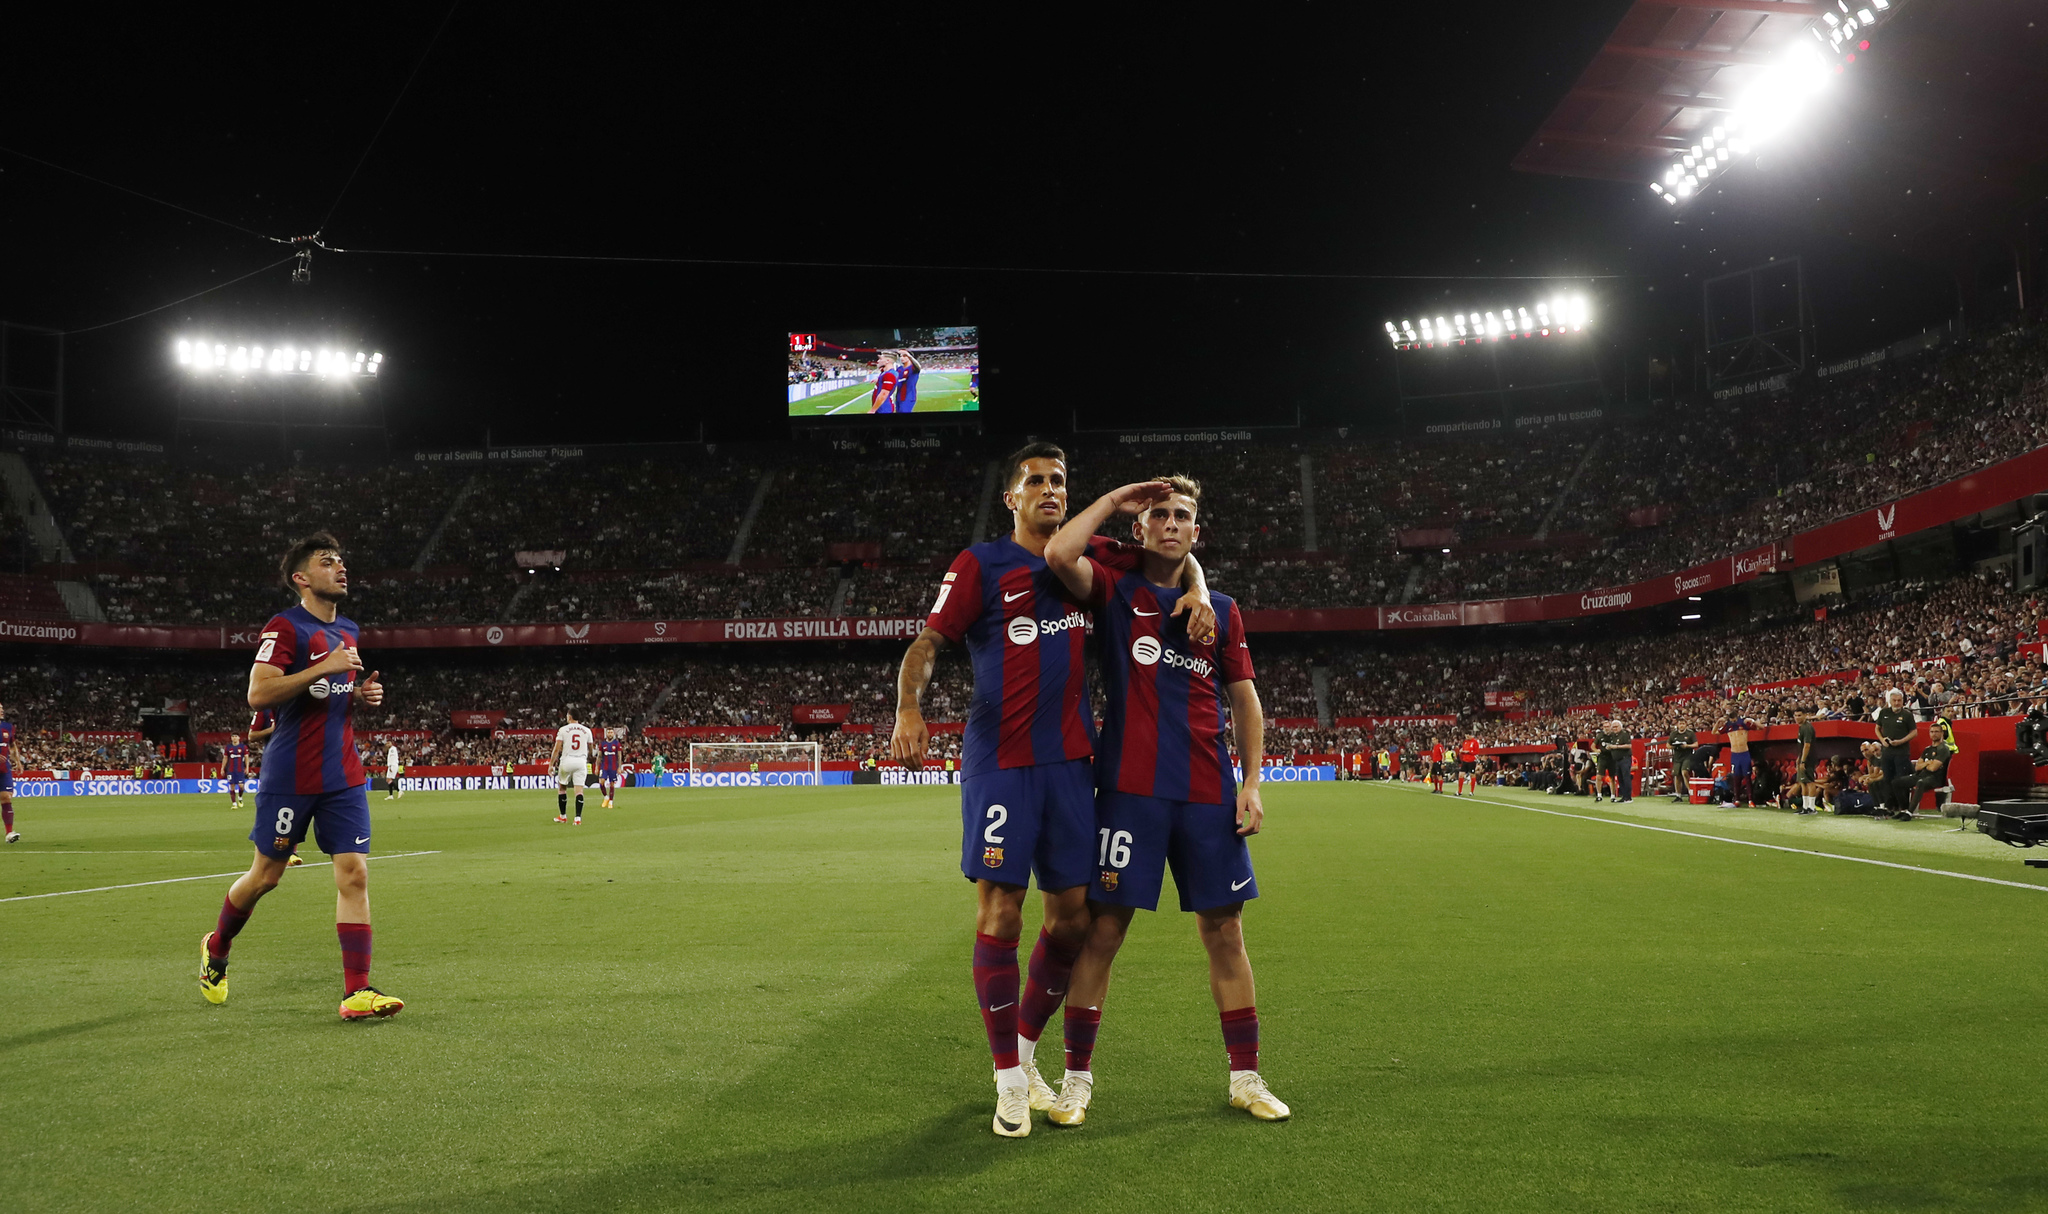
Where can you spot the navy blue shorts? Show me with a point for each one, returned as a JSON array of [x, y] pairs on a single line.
[[1738, 763], [340, 821], [6, 778], [1137, 837], [236, 781], [1017, 820], [607, 775]]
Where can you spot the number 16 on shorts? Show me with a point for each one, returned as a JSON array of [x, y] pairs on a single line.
[[1112, 856]]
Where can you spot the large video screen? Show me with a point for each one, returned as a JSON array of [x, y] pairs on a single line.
[[873, 372]]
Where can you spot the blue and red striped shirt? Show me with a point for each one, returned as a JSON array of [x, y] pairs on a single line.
[[235, 758], [608, 755], [1164, 735], [1025, 636], [6, 747], [314, 748]]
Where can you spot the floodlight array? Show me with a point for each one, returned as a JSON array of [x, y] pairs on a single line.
[[203, 357], [1845, 34], [1775, 99], [1545, 318]]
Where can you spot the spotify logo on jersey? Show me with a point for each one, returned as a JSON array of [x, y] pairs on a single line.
[[1145, 650], [318, 689], [1023, 630]]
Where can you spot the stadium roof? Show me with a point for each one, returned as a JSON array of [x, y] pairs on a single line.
[[1938, 144], [1663, 77]]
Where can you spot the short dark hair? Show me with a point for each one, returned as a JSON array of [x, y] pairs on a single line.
[[303, 551], [1029, 451]]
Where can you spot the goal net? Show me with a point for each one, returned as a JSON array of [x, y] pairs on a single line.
[[751, 763]]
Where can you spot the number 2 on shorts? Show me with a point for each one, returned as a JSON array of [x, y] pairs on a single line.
[[997, 815]]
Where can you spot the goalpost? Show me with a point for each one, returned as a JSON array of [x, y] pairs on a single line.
[[749, 763]]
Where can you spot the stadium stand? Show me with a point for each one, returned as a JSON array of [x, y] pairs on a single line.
[[161, 542]]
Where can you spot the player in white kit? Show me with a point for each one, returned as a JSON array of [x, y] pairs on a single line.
[[393, 768], [571, 764]]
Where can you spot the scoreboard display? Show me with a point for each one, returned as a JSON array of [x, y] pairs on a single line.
[[885, 372]]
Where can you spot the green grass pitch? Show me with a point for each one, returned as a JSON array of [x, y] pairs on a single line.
[[937, 392], [741, 1000]]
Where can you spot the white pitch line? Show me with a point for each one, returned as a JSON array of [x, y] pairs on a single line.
[[101, 889], [849, 400], [1797, 851]]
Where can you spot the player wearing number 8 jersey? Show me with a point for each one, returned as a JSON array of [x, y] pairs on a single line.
[[1026, 795], [307, 672], [1166, 793]]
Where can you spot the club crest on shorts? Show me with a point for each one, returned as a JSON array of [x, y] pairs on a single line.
[[1109, 878], [281, 842], [992, 856]]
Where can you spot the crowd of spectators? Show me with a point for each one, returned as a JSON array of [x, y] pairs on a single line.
[[211, 519], [626, 514], [1960, 646], [705, 593], [190, 542], [913, 507]]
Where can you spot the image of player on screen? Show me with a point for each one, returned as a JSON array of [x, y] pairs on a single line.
[[885, 371]]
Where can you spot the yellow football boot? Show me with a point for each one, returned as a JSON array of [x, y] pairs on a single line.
[[213, 975], [1250, 1093], [369, 1002], [1071, 1109]]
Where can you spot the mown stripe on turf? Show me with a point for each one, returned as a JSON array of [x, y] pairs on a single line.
[[1797, 851], [101, 889]]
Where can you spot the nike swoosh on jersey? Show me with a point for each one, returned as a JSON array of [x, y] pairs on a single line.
[[1020, 594], [1238, 885], [1135, 611]]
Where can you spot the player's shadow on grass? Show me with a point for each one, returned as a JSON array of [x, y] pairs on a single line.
[[953, 1144], [57, 1032]]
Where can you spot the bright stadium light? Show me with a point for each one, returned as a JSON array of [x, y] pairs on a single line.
[[203, 355]]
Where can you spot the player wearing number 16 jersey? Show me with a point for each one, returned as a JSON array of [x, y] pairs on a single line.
[[1165, 791], [1026, 796], [308, 672]]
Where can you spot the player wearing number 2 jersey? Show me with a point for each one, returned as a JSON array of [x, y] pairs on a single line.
[[1026, 795], [307, 673], [1165, 791]]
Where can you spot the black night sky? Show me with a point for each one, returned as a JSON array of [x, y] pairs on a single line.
[[1288, 138]]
